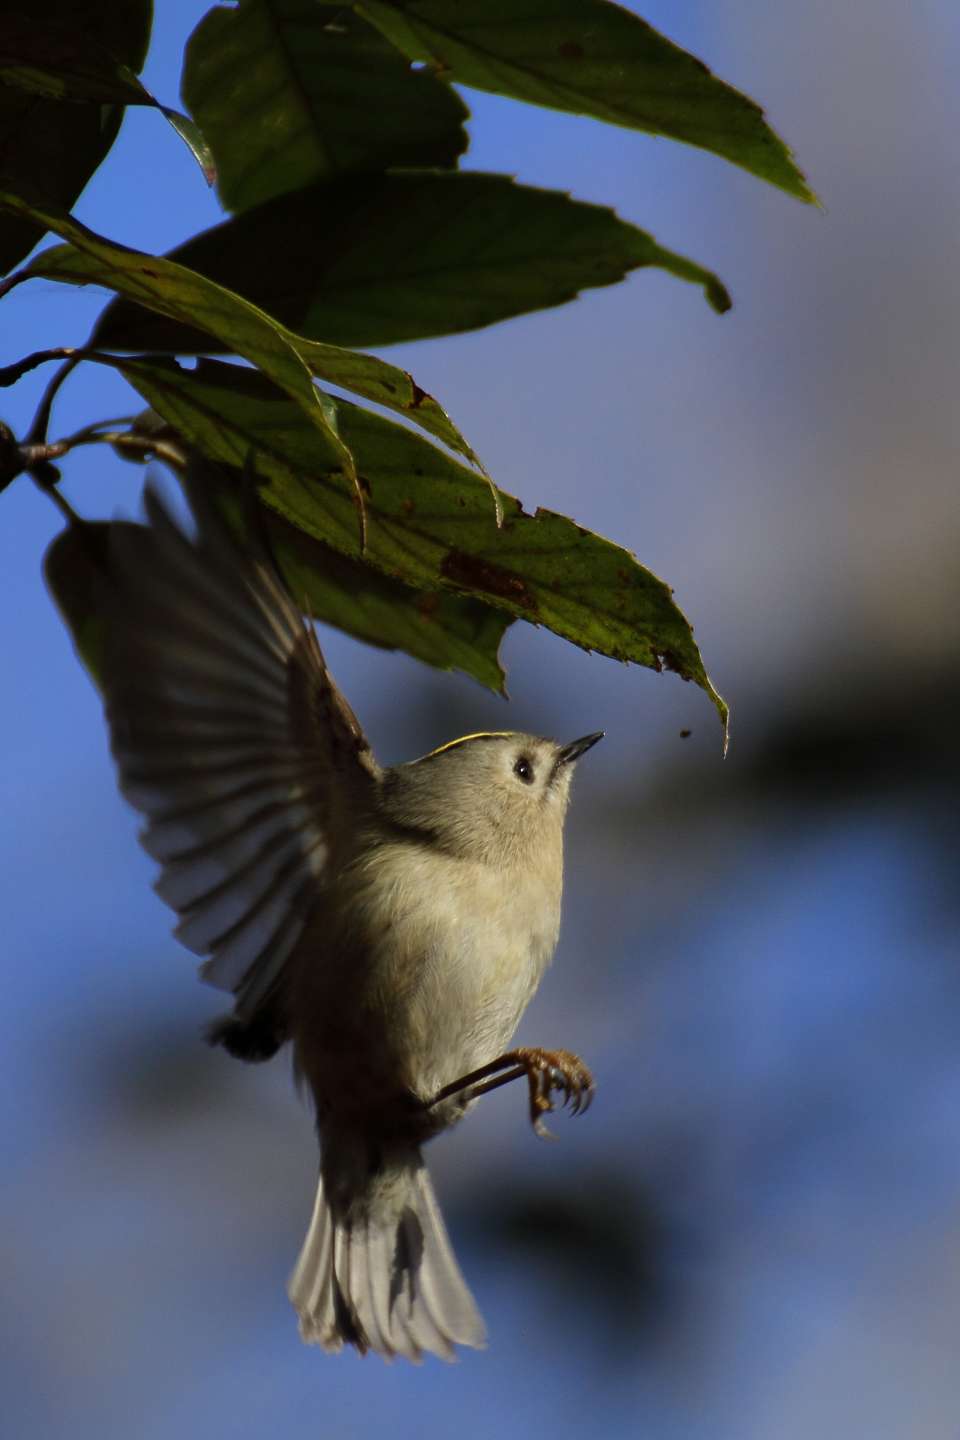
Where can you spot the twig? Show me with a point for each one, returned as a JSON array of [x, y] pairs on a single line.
[[10, 374], [38, 430]]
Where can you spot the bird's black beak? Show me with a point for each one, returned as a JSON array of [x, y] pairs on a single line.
[[576, 748]]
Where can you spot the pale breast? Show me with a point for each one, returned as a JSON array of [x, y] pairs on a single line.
[[453, 954]]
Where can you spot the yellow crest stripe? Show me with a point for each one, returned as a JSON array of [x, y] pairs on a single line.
[[464, 739]]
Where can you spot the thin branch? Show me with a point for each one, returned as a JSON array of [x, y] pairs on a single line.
[[10, 374], [38, 430], [45, 477]]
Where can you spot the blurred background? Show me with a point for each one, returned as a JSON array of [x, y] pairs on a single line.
[[756, 1230]]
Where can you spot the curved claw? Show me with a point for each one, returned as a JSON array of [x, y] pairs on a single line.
[[546, 1071], [560, 1072]]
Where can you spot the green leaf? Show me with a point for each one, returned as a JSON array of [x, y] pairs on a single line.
[[378, 259], [429, 520], [52, 149], [441, 629], [591, 58], [63, 63], [289, 92], [182, 295], [194, 139]]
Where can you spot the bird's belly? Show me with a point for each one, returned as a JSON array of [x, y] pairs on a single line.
[[411, 993]]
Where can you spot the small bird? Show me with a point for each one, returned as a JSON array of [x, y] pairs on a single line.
[[390, 923]]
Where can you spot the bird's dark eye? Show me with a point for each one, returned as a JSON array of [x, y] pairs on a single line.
[[524, 769]]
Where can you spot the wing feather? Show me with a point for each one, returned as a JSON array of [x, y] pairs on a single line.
[[231, 738]]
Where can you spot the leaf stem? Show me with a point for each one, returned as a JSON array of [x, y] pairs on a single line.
[[10, 374], [38, 430]]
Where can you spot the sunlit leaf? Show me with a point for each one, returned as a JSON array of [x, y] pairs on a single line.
[[437, 627], [429, 519], [592, 58]]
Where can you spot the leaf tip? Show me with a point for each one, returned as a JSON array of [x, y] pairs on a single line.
[[718, 296]]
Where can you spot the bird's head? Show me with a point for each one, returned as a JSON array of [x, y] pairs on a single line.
[[500, 796]]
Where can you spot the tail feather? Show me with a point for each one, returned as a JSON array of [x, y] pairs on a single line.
[[385, 1279]]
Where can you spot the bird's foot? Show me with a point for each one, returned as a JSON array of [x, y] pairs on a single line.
[[548, 1073]]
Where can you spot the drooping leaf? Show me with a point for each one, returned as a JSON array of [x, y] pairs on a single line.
[[71, 65], [185, 296], [63, 62], [439, 628], [289, 92], [429, 520], [178, 292], [194, 139], [592, 58], [398, 257], [50, 148]]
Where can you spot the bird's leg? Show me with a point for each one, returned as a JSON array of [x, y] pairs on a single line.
[[546, 1071]]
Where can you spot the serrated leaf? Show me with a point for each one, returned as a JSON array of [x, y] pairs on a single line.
[[379, 259], [592, 58], [289, 92], [50, 148], [441, 629], [429, 521], [243, 329]]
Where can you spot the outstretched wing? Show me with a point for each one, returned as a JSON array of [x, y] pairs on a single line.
[[230, 737]]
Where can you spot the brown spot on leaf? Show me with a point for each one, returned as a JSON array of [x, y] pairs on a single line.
[[427, 604], [418, 395], [570, 50], [475, 574], [407, 506]]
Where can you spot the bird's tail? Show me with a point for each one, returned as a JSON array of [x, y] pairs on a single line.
[[382, 1276]]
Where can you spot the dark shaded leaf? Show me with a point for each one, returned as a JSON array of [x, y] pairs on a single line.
[[69, 65], [591, 58], [50, 148], [379, 259], [288, 92], [429, 520], [63, 62], [242, 329]]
